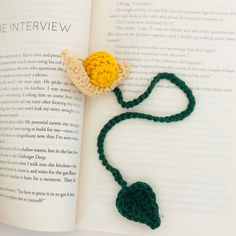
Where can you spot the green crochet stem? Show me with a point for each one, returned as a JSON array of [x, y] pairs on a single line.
[[130, 192]]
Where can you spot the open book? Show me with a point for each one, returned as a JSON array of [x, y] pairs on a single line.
[[50, 176]]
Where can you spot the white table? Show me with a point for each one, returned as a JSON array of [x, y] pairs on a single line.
[[12, 231]]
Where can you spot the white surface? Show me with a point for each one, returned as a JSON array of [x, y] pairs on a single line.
[[12, 231]]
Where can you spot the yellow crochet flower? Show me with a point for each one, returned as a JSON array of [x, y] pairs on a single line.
[[97, 74], [102, 69]]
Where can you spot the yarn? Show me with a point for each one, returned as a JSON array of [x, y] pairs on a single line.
[[101, 68], [137, 202], [97, 74]]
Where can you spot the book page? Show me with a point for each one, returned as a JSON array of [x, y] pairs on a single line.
[[189, 164], [40, 112]]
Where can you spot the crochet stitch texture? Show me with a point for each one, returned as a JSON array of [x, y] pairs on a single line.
[[76, 71], [101, 68], [137, 202]]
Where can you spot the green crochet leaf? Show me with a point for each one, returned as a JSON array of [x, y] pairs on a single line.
[[138, 203]]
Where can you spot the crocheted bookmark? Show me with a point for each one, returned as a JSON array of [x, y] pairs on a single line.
[[100, 73]]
